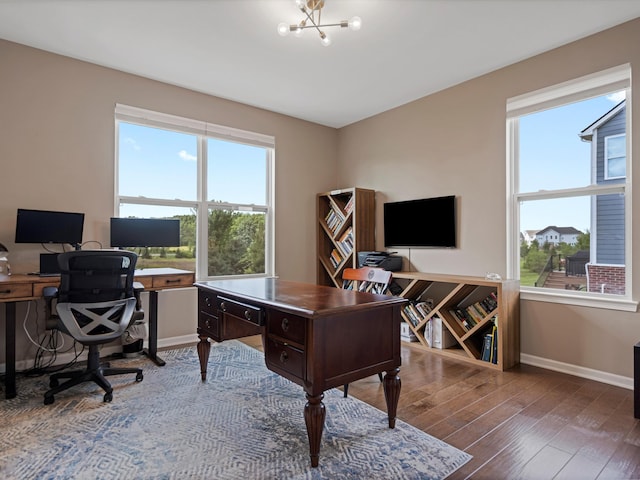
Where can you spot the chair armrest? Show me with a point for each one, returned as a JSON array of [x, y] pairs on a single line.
[[137, 289], [51, 319], [49, 292]]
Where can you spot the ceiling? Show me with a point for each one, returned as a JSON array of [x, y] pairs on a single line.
[[405, 50]]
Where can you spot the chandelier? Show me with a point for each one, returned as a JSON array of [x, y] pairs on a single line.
[[312, 10]]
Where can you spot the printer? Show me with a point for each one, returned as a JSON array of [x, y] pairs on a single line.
[[385, 260]]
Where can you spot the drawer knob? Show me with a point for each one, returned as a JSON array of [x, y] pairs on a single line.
[[207, 300], [223, 306], [283, 357], [247, 314], [208, 323], [285, 324]]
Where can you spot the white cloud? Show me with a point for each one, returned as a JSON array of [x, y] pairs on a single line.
[[617, 97], [133, 143], [186, 156]]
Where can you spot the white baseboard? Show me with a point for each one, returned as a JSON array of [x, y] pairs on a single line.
[[181, 340], [583, 372]]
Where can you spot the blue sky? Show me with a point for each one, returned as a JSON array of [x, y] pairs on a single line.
[[552, 156], [167, 161]]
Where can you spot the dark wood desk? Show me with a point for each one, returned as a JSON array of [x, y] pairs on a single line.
[[22, 287], [317, 337]]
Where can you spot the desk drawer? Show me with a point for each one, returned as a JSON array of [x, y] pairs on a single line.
[[16, 290], [287, 326], [241, 310], [207, 303], [173, 281], [283, 356], [209, 324]]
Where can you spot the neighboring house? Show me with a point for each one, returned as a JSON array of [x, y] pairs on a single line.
[[555, 235], [608, 157], [528, 236]]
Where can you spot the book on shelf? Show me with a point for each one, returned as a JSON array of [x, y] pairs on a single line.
[[486, 347], [349, 206], [334, 220], [462, 319], [410, 315], [490, 343], [417, 311], [335, 258], [345, 242], [494, 343]]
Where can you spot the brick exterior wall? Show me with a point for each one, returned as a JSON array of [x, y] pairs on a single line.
[[609, 276]]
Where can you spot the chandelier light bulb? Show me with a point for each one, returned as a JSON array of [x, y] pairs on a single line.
[[298, 32], [324, 38], [355, 23], [283, 29]]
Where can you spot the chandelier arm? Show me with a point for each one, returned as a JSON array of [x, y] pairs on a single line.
[[312, 20], [341, 24]]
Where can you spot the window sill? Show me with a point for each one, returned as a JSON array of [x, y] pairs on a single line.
[[607, 302]]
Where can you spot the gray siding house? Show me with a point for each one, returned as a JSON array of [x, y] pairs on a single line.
[[607, 137], [606, 267]]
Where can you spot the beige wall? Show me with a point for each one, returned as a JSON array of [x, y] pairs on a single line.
[[57, 153], [454, 142]]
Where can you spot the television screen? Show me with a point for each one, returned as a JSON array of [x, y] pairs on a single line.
[[427, 222], [42, 226], [145, 232]]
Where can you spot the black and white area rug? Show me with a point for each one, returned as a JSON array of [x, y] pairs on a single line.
[[245, 422]]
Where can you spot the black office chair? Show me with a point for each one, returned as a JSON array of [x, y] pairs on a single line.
[[95, 303]]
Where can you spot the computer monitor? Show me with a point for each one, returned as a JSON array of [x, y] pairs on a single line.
[[145, 232], [44, 226]]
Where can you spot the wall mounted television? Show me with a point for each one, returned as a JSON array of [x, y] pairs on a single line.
[[425, 222], [44, 226], [145, 232]]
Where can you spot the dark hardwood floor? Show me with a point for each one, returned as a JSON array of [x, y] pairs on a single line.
[[525, 423]]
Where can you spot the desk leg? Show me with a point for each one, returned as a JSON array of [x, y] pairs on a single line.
[[391, 385], [314, 414], [10, 349], [153, 330], [204, 347]]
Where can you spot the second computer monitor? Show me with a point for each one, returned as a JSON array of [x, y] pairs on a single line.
[[145, 232]]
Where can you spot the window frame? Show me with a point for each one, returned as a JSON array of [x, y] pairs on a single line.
[[203, 131], [597, 84]]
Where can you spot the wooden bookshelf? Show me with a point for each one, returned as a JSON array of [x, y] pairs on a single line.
[[346, 225], [489, 301]]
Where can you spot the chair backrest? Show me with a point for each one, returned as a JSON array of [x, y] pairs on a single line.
[[96, 275], [96, 299], [367, 279]]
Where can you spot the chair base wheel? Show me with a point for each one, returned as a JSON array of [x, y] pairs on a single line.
[[139, 377], [108, 397], [48, 400]]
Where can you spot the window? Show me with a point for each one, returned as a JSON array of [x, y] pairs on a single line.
[[216, 180], [615, 147], [567, 158]]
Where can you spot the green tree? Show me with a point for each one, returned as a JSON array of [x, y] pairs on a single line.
[[584, 241], [535, 260]]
